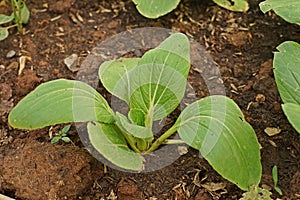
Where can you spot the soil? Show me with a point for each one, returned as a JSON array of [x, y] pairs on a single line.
[[241, 45]]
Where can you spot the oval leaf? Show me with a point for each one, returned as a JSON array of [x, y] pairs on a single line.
[[292, 112], [216, 127], [5, 19], [288, 9], [60, 101], [155, 8], [25, 13], [235, 5], [109, 142], [114, 76], [141, 132], [287, 71], [3, 33], [158, 83]]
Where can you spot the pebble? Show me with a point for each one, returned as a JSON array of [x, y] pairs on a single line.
[[71, 62], [10, 54]]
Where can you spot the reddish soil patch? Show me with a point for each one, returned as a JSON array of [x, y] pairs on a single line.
[[241, 45]]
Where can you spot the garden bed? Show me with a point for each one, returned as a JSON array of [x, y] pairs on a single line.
[[242, 46]]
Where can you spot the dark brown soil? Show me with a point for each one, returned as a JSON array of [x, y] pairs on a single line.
[[241, 45]]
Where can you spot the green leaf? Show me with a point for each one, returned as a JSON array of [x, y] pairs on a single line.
[[66, 129], [275, 175], [155, 8], [233, 5], [287, 71], [3, 33], [5, 19], [287, 76], [60, 101], [135, 130], [217, 128], [66, 139], [109, 142], [55, 139], [25, 13], [292, 112], [158, 83], [289, 10], [114, 76]]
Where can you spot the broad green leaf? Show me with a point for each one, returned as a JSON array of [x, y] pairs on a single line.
[[158, 83], [155, 8], [287, 71], [137, 116], [292, 111], [135, 130], [217, 128], [289, 10], [5, 19], [25, 14], [60, 101], [233, 5], [287, 76], [3, 33], [109, 142], [114, 76]]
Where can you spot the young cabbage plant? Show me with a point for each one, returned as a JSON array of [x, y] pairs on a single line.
[[287, 61], [287, 76], [20, 15], [152, 86]]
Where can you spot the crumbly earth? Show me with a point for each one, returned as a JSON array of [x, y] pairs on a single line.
[[241, 46]]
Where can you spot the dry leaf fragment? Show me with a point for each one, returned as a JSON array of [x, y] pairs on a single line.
[[214, 186], [22, 61], [182, 150], [271, 131]]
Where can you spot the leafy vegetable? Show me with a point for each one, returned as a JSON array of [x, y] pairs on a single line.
[[157, 8], [212, 125], [289, 10], [152, 86], [235, 5], [5, 19], [60, 101], [287, 75]]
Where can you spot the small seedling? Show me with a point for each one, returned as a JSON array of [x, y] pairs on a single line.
[[275, 179], [256, 193], [62, 135], [20, 15], [153, 87]]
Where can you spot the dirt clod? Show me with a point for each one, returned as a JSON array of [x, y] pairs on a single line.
[[52, 171]]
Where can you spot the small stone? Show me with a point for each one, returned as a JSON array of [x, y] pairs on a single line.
[[10, 54], [71, 62]]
